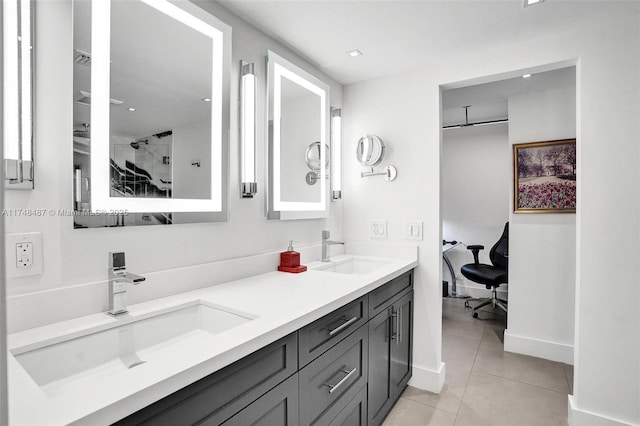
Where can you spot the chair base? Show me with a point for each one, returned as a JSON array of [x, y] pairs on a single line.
[[494, 301]]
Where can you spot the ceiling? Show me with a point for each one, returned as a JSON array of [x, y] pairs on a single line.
[[401, 35], [151, 70], [488, 101]]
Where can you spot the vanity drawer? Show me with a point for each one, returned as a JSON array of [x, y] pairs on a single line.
[[382, 297], [223, 393], [331, 381], [317, 337], [278, 407], [355, 412]]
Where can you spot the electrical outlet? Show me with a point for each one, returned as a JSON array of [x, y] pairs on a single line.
[[23, 254], [378, 229], [413, 230]]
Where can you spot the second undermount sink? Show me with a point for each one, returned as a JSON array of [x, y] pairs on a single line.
[[354, 265], [123, 345]]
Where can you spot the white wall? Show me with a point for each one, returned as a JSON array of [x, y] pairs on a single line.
[[542, 247], [476, 180], [189, 146], [79, 256], [404, 110]]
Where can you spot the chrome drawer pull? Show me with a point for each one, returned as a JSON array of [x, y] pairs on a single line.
[[342, 327], [335, 387]]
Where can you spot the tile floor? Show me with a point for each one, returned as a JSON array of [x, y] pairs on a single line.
[[484, 384]]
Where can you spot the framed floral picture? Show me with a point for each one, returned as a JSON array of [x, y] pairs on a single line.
[[544, 177]]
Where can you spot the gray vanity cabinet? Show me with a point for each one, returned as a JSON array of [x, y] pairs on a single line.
[[347, 368], [217, 397], [390, 346]]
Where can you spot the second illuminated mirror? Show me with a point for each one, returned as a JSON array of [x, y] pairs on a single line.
[[297, 119]]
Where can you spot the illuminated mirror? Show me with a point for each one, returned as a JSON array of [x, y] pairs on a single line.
[[17, 93], [298, 119], [151, 113]]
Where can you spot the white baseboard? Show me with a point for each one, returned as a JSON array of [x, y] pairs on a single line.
[[429, 380], [579, 417], [552, 351]]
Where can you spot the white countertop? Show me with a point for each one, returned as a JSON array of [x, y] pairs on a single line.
[[279, 302]]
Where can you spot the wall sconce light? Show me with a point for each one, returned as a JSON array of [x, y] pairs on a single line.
[[17, 93], [336, 154], [248, 184]]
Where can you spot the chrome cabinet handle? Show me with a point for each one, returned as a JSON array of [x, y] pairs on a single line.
[[333, 388], [394, 326], [343, 326], [400, 325]]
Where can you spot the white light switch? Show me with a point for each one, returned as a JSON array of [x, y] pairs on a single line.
[[378, 229], [413, 230], [23, 254]]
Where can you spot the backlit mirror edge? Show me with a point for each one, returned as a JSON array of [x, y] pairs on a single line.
[[216, 209], [273, 213], [19, 169]]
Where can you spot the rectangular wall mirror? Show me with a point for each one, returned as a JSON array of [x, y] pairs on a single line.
[[151, 113], [298, 162]]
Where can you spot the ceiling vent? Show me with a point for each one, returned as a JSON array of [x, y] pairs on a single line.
[[81, 58], [86, 99]]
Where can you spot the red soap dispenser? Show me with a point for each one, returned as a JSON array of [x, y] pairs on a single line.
[[290, 260]]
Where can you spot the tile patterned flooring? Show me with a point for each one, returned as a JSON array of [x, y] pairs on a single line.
[[484, 384]]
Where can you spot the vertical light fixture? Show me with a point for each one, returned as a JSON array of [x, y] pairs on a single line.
[[17, 96], [248, 184], [336, 154]]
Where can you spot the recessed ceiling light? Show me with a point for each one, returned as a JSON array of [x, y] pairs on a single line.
[[353, 53], [526, 76], [206, 99], [132, 109], [531, 2]]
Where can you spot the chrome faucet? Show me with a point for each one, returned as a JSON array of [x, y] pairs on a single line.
[[118, 279], [326, 242]]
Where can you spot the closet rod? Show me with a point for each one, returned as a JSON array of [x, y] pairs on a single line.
[[479, 123]]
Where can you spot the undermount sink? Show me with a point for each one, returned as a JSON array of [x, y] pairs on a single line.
[[354, 265], [118, 347]]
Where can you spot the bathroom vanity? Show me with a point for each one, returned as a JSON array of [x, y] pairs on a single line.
[[328, 346], [348, 367]]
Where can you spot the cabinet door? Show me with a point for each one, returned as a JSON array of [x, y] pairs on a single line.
[[380, 392], [402, 344], [278, 407]]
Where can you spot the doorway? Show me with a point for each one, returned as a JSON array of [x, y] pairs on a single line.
[[477, 199]]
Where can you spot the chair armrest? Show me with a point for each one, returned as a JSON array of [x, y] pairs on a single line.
[[475, 249]]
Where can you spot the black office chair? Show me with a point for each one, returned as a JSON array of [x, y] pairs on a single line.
[[490, 275]]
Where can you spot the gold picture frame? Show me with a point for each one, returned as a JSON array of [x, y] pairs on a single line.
[[544, 177]]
